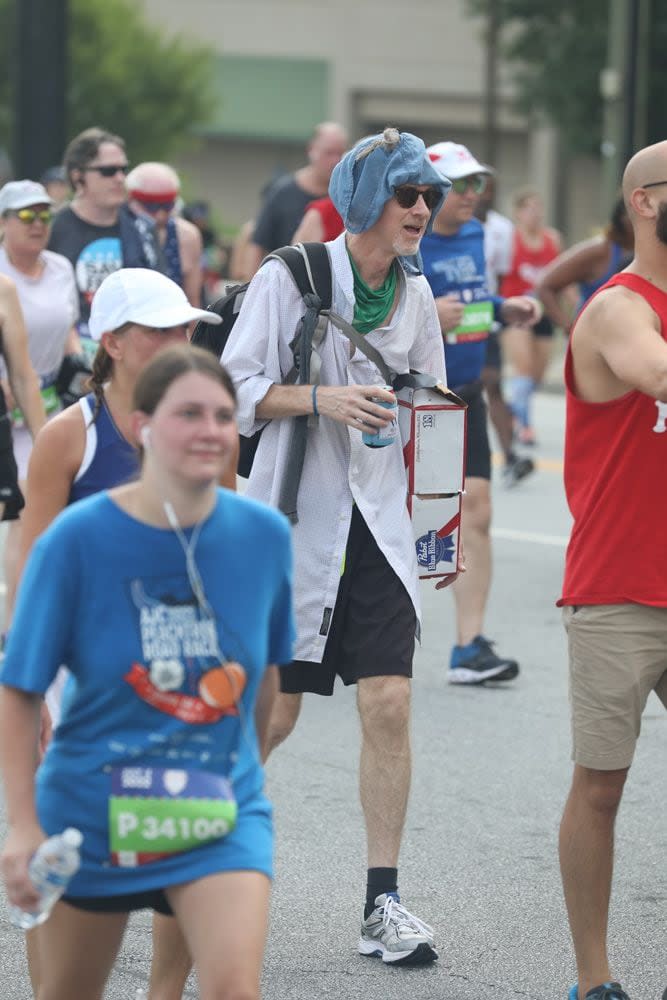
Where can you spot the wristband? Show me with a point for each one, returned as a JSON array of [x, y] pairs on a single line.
[[313, 394]]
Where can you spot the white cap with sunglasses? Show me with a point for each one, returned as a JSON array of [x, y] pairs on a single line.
[[148, 298], [453, 160], [22, 194]]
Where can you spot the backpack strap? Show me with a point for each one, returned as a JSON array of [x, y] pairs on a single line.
[[310, 269], [360, 341]]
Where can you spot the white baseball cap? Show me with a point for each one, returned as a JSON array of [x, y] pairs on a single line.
[[453, 160], [22, 194], [139, 295]]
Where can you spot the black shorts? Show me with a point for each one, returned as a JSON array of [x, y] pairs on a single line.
[[478, 450], [493, 356], [372, 630], [544, 328], [154, 899], [10, 494]]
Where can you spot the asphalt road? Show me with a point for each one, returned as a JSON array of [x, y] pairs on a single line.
[[490, 777]]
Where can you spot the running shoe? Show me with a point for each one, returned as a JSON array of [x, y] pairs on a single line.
[[516, 469], [391, 933], [607, 991], [477, 662]]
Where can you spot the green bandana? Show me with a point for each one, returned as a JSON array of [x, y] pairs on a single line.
[[371, 305]]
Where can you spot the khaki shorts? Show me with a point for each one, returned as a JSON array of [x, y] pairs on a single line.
[[618, 655]]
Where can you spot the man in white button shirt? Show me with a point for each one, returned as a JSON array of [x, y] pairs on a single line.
[[356, 591]]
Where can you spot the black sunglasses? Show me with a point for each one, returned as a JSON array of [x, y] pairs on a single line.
[[111, 170], [407, 196], [654, 184]]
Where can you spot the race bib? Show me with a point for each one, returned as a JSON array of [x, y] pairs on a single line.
[[155, 812], [475, 325]]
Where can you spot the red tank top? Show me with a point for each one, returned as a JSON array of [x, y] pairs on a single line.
[[332, 224], [527, 264], [615, 481]]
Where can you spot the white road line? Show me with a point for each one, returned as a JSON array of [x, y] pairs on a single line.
[[560, 541]]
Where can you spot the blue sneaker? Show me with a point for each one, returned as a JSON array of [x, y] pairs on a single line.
[[607, 991], [477, 662]]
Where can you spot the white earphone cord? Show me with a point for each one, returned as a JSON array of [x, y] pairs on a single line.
[[197, 585]]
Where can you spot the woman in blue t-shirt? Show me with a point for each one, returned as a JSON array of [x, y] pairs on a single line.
[[150, 593]]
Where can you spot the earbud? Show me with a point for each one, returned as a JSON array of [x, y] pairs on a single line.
[[145, 435]]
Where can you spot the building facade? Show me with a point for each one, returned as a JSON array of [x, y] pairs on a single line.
[[284, 65]]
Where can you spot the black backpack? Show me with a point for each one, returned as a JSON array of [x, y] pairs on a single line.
[[310, 268]]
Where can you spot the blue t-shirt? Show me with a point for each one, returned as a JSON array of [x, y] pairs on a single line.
[[456, 264], [110, 596]]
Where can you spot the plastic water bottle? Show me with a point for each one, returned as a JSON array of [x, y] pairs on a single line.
[[50, 869]]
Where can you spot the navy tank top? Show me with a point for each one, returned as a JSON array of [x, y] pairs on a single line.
[[108, 459]]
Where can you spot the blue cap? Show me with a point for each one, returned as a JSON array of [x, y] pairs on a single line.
[[365, 179]]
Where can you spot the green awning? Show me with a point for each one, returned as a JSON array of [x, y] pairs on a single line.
[[269, 98]]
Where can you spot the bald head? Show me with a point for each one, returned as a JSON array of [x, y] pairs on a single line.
[[647, 166], [325, 149], [330, 131], [154, 179]]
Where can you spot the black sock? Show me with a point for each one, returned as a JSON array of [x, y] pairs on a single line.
[[379, 880]]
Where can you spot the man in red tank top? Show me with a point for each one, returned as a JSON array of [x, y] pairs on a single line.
[[615, 590]]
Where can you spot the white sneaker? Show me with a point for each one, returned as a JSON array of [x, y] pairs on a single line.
[[391, 933]]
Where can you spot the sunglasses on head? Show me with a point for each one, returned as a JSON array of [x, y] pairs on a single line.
[[30, 215], [157, 206], [407, 196], [476, 181], [110, 170]]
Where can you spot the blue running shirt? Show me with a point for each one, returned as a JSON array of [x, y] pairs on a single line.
[[109, 596], [456, 265]]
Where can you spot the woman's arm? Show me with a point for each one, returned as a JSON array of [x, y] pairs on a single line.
[[266, 697], [22, 377], [54, 462], [73, 342], [228, 477], [580, 263], [19, 719]]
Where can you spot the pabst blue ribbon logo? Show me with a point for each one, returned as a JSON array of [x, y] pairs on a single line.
[[431, 550], [437, 546]]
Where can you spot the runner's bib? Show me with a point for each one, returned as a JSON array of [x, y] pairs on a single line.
[[156, 812], [475, 324]]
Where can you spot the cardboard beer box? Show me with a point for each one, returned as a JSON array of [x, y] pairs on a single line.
[[436, 524], [432, 425]]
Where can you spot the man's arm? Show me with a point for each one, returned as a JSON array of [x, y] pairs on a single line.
[[619, 327], [349, 404]]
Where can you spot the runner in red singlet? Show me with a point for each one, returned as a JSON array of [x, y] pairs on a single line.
[[615, 592], [528, 348]]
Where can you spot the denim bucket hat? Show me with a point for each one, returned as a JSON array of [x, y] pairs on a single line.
[[365, 179]]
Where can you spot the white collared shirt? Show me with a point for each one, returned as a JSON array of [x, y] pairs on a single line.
[[339, 469]]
